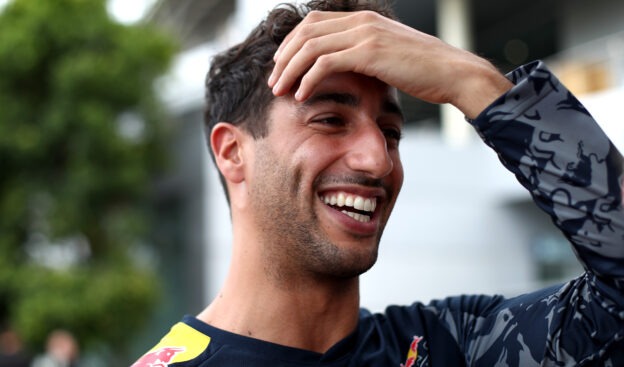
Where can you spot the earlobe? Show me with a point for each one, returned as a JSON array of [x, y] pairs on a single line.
[[225, 141]]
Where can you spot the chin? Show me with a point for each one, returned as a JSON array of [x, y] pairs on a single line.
[[354, 266]]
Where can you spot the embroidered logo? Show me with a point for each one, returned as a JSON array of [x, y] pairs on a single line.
[[412, 354], [160, 357], [183, 343]]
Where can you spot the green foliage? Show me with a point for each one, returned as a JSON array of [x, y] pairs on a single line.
[[80, 139], [95, 304]]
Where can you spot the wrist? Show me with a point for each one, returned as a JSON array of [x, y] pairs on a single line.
[[480, 88]]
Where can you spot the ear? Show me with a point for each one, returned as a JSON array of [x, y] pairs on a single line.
[[226, 143]]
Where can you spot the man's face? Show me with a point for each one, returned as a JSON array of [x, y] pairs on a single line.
[[326, 177]]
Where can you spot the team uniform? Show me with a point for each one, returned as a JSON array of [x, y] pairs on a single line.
[[550, 142]]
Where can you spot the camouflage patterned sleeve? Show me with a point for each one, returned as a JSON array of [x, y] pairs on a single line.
[[544, 135]]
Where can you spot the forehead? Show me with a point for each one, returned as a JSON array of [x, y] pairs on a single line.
[[350, 89], [354, 82]]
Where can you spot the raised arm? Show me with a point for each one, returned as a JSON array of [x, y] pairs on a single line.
[[557, 151], [565, 160], [551, 143], [370, 44]]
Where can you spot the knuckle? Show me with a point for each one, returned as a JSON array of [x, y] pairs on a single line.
[[314, 16], [369, 16], [325, 64], [324, 61], [310, 45], [305, 30], [371, 30]]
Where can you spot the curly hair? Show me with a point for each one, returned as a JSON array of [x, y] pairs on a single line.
[[236, 84]]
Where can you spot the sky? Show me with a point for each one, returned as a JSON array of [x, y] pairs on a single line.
[[126, 11]]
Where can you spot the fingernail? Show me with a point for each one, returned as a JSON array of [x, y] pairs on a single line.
[[276, 88], [276, 55], [271, 77], [298, 95]]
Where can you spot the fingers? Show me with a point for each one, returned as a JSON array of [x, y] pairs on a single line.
[[316, 56], [318, 36], [324, 66], [309, 28], [371, 44]]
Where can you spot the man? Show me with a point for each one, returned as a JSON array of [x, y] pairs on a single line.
[[12, 351], [62, 350], [312, 170]]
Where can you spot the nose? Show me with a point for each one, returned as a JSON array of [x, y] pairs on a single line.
[[368, 152]]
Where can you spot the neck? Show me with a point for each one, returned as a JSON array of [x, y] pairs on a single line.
[[306, 313]]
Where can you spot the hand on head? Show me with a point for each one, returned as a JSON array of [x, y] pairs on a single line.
[[368, 43]]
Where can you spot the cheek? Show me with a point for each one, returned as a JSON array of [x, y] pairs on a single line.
[[316, 158], [295, 171]]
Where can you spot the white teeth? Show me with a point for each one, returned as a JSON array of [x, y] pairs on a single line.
[[342, 199], [359, 217], [358, 203]]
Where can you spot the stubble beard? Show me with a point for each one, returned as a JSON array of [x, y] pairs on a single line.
[[295, 245]]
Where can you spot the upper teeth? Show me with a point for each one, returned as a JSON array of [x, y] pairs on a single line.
[[342, 199], [357, 202]]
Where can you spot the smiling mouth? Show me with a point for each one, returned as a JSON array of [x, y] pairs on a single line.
[[357, 207]]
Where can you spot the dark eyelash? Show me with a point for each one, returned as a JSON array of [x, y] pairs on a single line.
[[393, 134], [334, 120]]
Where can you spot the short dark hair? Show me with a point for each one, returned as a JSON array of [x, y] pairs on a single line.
[[236, 84]]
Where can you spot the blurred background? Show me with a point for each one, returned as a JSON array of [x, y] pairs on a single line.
[[113, 223]]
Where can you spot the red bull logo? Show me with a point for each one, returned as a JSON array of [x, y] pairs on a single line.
[[160, 357], [412, 354]]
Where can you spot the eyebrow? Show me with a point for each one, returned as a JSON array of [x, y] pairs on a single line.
[[350, 100], [346, 99], [392, 107]]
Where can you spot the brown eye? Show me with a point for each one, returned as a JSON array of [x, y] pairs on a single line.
[[393, 134], [330, 120]]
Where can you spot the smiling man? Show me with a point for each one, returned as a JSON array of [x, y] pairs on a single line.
[[304, 127], [326, 177]]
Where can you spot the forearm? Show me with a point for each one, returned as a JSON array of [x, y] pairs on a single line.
[[558, 152]]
